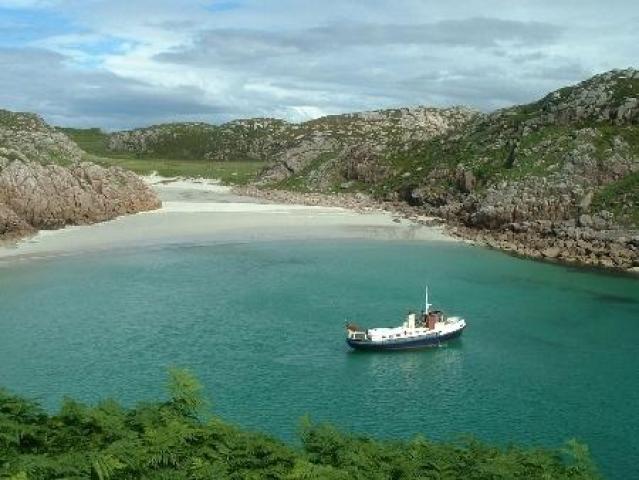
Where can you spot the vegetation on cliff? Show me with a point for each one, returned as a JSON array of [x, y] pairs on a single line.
[[95, 143], [26, 137], [179, 439], [622, 198]]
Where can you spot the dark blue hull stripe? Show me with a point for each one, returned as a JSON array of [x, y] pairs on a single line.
[[403, 344]]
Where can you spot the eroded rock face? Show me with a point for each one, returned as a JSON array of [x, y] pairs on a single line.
[[45, 185], [11, 225], [34, 196]]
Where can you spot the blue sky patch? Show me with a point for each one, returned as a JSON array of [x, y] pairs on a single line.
[[20, 27], [225, 5]]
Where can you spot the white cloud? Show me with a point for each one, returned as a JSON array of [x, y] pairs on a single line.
[[42, 81], [215, 60]]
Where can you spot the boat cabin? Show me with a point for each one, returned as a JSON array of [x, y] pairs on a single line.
[[430, 319]]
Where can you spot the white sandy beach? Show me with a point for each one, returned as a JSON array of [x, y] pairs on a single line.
[[200, 211]]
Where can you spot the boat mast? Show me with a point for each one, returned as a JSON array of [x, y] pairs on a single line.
[[426, 304]]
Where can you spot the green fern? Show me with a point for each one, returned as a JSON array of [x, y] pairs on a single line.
[[105, 466], [173, 440]]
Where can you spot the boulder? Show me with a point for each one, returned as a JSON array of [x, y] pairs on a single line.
[[465, 179], [551, 252]]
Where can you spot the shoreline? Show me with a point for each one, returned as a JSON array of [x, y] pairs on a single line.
[[198, 211], [548, 249], [195, 210]]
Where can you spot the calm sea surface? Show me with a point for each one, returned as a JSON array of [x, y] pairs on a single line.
[[550, 352]]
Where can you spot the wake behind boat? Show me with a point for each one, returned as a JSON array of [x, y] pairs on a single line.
[[429, 330]]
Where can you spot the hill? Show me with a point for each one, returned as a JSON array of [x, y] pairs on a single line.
[[45, 184], [557, 178], [266, 139], [183, 156]]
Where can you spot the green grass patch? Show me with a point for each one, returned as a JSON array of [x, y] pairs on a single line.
[[95, 142], [624, 89], [91, 140], [621, 198], [231, 173]]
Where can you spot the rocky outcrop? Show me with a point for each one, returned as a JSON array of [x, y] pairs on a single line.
[[611, 96], [563, 241], [34, 196], [26, 137], [562, 182], [241, 140], [555, 179], [45, 185], [345, 147]]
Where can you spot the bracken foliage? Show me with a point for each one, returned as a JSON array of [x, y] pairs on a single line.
[[177, 439]]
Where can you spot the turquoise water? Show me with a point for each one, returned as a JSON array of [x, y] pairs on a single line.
[[550, 352]]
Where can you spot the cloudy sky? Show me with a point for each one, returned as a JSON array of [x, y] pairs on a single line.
[[125, 63]]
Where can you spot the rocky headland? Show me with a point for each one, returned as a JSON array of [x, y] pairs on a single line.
[[45, 184]]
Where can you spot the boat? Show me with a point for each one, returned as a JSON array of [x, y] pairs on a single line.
[[430, 329]]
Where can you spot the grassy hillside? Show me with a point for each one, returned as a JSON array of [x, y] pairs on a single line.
[[95, 142], [178, 439], [239, 141], [270, 141]]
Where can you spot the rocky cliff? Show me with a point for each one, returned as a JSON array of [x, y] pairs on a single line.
[[44, 184]]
